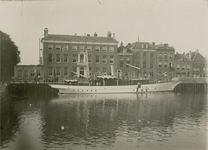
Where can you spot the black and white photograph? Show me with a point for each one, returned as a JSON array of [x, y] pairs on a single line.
[[104, 74]]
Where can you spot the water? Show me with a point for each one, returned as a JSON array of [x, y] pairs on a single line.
[[116, 122]]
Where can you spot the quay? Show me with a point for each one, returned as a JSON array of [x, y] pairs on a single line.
[[32, 89], [192, 85]]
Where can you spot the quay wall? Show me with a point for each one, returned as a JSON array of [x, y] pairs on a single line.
[[31, 89]]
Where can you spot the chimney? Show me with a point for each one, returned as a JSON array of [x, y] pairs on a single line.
[[114, 35], [190, 55], [197, 50], [95, 34], [166, 45], [153, 43], [45, 32], [109, 34]]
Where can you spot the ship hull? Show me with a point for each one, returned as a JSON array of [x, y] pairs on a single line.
[[122, 89]]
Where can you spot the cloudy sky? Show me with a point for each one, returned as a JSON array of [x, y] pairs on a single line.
[[182, 24]]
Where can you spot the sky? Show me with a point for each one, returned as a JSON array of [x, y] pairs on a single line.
[[182, 24]]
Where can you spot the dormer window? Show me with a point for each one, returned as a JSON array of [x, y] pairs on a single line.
[[97, 48], [74, 48], [50, 47], [58, 47], [111, 49], [65, 47], [81, 48], [104, 49]]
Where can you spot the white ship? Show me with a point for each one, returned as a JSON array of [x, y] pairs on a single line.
[[122, 89]]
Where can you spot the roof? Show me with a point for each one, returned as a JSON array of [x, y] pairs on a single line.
[[196, 56], [138, 45], [164, 46], [181, 57], [80, 38]]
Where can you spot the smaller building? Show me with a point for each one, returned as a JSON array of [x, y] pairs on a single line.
[[199, 64], [28, 72], [183, 66]]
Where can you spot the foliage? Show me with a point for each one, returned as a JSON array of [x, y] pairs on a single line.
[[9, 56]]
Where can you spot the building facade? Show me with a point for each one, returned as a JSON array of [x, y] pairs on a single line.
[[28, 72], [183, 66], [144, 57], [124, 61], [164, 62], [199, 64], [65, 55]]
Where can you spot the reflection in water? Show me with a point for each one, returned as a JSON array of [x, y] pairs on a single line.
[[115, 121]]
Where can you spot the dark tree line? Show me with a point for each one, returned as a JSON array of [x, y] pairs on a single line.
[[9, 56]]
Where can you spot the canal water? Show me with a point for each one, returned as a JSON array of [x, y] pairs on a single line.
[[159, 121]]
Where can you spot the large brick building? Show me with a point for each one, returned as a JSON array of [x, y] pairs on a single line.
[[64, 55]]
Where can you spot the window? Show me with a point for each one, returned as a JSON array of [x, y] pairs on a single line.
[[160, 63], [50, 58], [151, 55], [104, 59], [65, 71], [26, 74], [89, 58], [19, 73], [81, 58], [142, 45], [151, 64], [38, 73], [97, 59], [74, 59], [170, 55], [58, 58], [166, 63], [65, 47], [188, 67], [74, 48], [194, 69], [178, 66], [111, 59], [65, 58], [160, 55], [127, 57], [50, 71], [104, 71], [104, 49], [50, 47], [58, 47], [144, 64], [144, 54], [146, 45], [137, 62], [32, 74], [97, 48], [128, 62], [121, 58], [183, 67], [166, 55], [58, 71], [89, 48], [111, 49], [81, 48], [121, 64]]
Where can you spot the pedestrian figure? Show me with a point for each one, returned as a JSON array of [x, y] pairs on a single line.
[[146, 89], [138, 86]]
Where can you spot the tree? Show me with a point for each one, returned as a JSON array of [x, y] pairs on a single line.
[[9, 56]]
